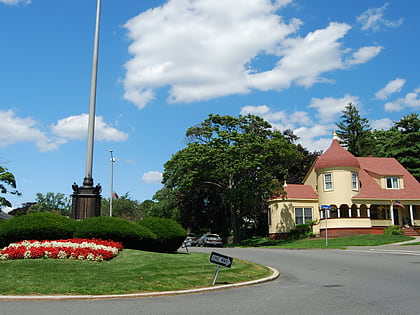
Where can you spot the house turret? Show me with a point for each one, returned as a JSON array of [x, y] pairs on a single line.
[[337, 175]]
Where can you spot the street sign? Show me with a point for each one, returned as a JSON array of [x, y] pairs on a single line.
[[326, 207], [221, 260]]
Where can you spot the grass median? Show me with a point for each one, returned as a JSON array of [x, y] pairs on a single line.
[[130, 272]]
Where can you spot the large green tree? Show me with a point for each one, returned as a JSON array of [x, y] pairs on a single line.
[[7, 186], [224, 176], [354, 131]]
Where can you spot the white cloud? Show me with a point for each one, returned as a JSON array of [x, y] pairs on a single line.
[[15, 129], [312, 136], [152, 177], [329, 107], [384, 123], [75, 128], [411, 99], [393, 86], [364, 54], [15, 2], [315, 138], [202, 49], [255, 110], [373, 19]]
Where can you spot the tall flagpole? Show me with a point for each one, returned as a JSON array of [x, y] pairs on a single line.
[[86, 200], [88, 180]]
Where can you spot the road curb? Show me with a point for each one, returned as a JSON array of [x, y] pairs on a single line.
[[275, 274]]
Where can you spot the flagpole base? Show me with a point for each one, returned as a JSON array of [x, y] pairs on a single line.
[[86, 201]]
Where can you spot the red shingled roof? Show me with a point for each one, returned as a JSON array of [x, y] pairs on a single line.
[[336, 156], [385, 167], [295, 191]]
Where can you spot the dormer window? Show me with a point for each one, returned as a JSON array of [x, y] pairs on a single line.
[[392, 182], [328, 184], [354, 181]]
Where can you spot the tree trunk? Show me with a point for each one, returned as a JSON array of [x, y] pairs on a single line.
[[234, 218]]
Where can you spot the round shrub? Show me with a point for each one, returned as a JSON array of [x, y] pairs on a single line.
[[300, 231], [36, 226], [130, 234], [393, 230], [169, 234]]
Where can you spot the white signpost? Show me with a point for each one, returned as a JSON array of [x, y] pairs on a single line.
[[220, 260], [326, 209]]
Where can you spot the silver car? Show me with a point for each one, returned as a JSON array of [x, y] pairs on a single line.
[[210, 240]]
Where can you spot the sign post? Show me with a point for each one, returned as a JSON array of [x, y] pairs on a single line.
[[220, 260], [326, 208]]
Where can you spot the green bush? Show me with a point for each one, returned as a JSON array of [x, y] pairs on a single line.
[[36, 226], [169, 234], [393, 230], [130, 234], [300, 231]]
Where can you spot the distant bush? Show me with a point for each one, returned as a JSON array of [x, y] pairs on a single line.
[[36, 226], [169, 234], [129, 233], [393, 230], [300, 231]]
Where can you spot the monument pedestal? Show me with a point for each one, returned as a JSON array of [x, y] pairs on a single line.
[[86, 202]]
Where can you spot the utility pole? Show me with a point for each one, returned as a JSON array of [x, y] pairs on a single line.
[[111, 192]]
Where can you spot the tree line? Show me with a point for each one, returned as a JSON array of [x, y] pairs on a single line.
[[231, 166]]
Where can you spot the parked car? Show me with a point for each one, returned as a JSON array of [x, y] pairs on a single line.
[[210, 240], [190, 240]]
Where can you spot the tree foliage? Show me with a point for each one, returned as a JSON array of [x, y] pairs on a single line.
[[224, 176], [402, 142], [354, 131], [298, 170], [164, 206], [122, 207], [7, 186], [51, 202]]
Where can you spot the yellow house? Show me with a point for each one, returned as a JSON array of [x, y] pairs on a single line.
[[348, 195]]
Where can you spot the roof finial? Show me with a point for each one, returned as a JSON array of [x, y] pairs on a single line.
[[335, 136]]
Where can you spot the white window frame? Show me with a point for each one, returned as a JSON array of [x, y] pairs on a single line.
[[393, 181], [304, 217], [355, 181], [330, 175]]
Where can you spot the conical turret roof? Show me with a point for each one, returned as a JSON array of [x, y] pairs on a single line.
[[336, 156]]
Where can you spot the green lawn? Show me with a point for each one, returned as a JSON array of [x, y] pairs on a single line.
[[131, 271], [340, 242]]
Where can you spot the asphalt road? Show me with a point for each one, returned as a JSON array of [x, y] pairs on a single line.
[[383, 280]]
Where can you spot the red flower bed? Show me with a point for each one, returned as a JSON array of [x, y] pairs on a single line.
[[82, 249]]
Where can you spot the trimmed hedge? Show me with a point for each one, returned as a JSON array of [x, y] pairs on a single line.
[[130, 234], [36, 226], [169, 234]]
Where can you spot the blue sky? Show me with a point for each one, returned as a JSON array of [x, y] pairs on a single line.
[[165, 66]]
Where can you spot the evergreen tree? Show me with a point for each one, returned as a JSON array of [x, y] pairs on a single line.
[[354, 131]]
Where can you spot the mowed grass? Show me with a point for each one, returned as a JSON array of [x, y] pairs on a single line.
[[130, 272], [339, 242]]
